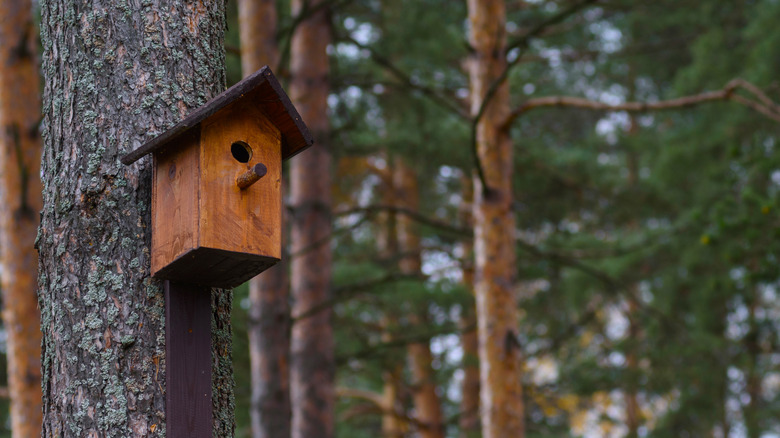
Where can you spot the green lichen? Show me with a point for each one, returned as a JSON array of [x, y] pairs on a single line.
[[93, 321]]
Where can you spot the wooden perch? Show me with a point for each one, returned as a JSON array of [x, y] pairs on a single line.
[[762, 103], [251, 176]]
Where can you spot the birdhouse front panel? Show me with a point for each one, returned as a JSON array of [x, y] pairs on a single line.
[[244, 220]]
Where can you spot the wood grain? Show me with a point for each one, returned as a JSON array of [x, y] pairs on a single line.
[[188, 361], [175, 200], [233, 219]]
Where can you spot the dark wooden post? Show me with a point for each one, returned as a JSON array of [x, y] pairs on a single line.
[[188, 360]]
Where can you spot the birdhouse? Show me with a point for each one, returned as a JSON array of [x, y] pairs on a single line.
[[217, 176]]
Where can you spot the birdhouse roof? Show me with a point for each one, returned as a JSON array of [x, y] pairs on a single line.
[[264, 89]]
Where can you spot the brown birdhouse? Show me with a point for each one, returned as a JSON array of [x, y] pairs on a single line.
[[216, 194]]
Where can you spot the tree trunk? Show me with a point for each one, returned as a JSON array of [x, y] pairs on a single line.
[[257, 26], [426, 402], [494, 237], [392, 425], [633, 418], [269, 310], [469, 403], [20, 192], [115, 76], [387, 249], [312, 361]]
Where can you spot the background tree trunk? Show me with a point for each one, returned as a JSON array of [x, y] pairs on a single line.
[[469, 404], [427, 406], [494, 234], [387, 249], [20, 192], [312, 361], [115, 75], [257, 26], [269, 310]]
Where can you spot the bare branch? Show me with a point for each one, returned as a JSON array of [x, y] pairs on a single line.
[[765, 106], [445, 329], [369, 396], [406, 80], [349, 291], [412, 214], [539, 29], [523, 42]]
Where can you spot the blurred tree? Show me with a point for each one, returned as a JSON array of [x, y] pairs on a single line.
[[494, 226], [312, 367], [643, 188], [20, 191], [269, 330]]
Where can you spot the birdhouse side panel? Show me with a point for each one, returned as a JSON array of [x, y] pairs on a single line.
[[175, 200], [233, 219]]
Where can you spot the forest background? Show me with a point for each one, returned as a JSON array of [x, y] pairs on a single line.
[[645, 201]]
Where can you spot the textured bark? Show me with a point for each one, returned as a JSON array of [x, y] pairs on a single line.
[[269, 310], [427, 406], [312, 360], [20, 202], [494, 232], [469, 403], [115, 75]]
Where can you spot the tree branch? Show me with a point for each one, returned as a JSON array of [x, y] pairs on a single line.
[[348, 291], [445, 329], [412, 214], [406, 80], [763, 104], [362, 394], [521, 41]]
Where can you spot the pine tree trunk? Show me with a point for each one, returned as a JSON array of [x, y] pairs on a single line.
[[426, 402], [392, 425], [20, 192], [469, 403], [312, 361], [269, 310], [387, 249], [115, 75], [257, 26], [494, 237]]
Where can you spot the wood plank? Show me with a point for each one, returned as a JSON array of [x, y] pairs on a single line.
[[175, 200], [263, 90], [215, 267], [188, 361], [232, 219]]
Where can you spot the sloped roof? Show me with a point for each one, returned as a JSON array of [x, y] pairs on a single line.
[[264, 88]]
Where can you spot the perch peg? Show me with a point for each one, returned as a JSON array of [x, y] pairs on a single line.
[[251, 176]]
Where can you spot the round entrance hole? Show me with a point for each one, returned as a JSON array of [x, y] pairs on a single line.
[[241, 151]]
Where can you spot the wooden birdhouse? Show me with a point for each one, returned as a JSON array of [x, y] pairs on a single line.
[[216, 194]]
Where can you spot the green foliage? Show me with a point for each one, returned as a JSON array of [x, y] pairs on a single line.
[[648, 236]]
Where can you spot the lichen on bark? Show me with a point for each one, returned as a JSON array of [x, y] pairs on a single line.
[[116, 74]]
